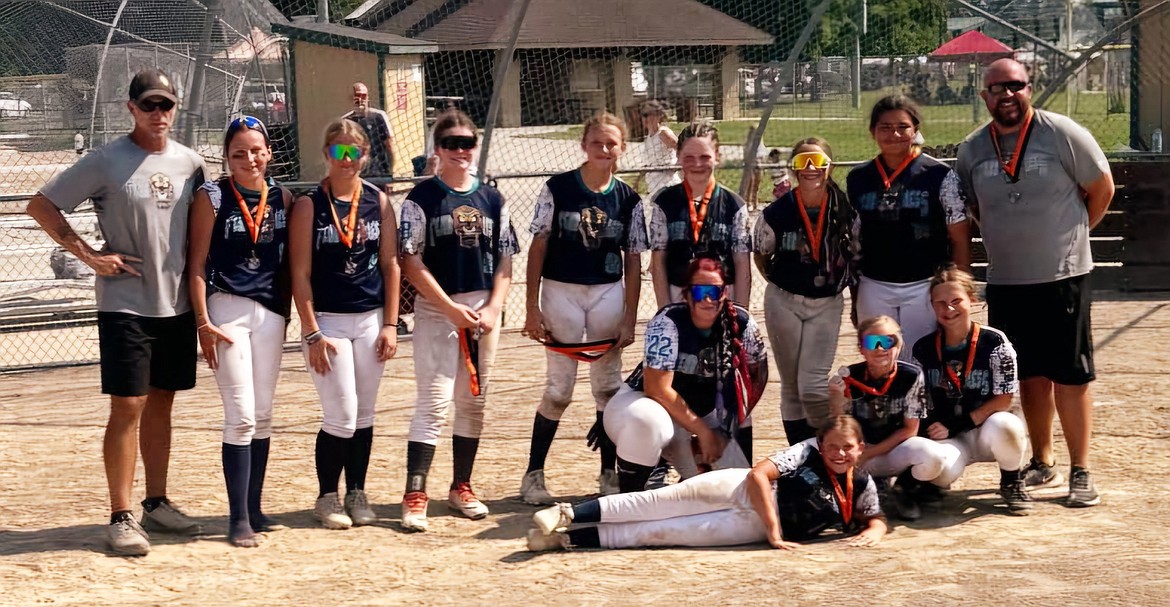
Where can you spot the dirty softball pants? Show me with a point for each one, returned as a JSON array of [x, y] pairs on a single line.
[[574, 313]]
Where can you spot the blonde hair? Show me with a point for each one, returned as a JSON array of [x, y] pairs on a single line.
[[951, 273], [343, 127], [844, 424], [601, 119], [868, 324]]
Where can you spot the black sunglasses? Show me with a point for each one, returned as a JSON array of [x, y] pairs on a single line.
[[999, 88], [457, 142], [150, 105]]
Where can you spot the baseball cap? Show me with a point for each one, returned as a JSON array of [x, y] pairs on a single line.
[[152, 83]]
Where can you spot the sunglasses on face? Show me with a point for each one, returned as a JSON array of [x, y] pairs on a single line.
[[1000, 88], [816, 160], [873, 342], [457, 142], [344, 151], [711, 292], [150, 105]]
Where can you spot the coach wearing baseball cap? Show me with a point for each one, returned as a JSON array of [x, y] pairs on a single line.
[[141, 185]]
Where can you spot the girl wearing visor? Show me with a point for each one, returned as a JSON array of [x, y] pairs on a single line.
[[457, 248], [584, 279], [345, 280], [912, 221], [690, 400], [793, 496], [238, 275], [887, 397], [804, 245]]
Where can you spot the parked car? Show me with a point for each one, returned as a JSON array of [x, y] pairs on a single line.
[[11, 107]]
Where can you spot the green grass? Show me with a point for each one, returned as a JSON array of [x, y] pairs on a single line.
[[845, 128]]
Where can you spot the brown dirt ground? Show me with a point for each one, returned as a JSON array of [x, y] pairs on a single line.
[[966, 553]]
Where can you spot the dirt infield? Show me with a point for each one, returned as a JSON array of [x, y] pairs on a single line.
[[968, 552]]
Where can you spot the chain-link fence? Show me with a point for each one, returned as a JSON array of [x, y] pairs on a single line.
[[529, 72]]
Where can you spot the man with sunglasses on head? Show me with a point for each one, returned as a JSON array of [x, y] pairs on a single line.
[[141, 186], [1037, 182], [376, 124]]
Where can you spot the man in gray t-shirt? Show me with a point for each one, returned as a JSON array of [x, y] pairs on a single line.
[[141, 186], [1037, 182], [376, 124]]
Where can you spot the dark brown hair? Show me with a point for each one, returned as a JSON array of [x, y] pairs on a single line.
[[449, 120], [843, 424], [699, 129], [891, 103]]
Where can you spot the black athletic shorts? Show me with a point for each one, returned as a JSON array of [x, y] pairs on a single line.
[[141, 352], [1049, 326]]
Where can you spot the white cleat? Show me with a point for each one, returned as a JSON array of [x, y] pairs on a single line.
[[533, 491], [539, 542], [554, 519]]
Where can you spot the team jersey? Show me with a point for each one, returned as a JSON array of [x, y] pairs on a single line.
[[461, 236], [992, 372], [904, 228], [881, 415], [674, 344], [347, 279], [587, 231], [724, 231], [782, 238], [806, 499], [236, 264]]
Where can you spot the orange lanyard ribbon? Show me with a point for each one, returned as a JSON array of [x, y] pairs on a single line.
[[1012, 167], [844, 497], [814, 238], [888, 180], [700, 215], [957, 380], [849, 381], [253, 222], [345, 235]]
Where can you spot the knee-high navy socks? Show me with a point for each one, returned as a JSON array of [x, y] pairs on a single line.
[[544, 430], [357, 460], [236, 472], [258, 468], [331, 454], [632, 477]]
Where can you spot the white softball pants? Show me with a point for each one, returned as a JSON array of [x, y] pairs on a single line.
[[574, 313], [803, 332], [909, 304], [926, 459], [711, 509], [1001, 439], [248, 367], [440, 375], [643, 432], [350, 390]]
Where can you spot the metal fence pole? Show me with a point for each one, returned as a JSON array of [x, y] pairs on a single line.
[[194, 113]]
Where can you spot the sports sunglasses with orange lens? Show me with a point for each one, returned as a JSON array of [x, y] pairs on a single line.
[[806, 160]]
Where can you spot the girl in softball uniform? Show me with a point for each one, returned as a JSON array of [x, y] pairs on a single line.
[[237, 236], [690, 400], [912, 221], [887, 398], [584, 279], [698, 217], [343, 243], [804, 244], [970, 378], [457, 246], [792, 496]]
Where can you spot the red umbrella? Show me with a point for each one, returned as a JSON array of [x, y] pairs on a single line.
[[972, 47]]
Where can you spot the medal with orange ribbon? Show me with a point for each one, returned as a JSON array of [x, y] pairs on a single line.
[[346, 234], [844, 496], [955, 379], [870, 390], [814, 238], [253, 221], [699, 216], [1011, 168]]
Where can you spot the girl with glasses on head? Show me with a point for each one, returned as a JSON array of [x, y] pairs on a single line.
[[805, 244], [887, 397], [793, 496], [344, 254], [457, 248], [659, 147], [912, 220], [970, 379], [584, 279], [239, 288], [690, 400], [698, 217]]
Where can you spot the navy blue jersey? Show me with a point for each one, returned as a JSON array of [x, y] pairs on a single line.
[[993, 372], [880, 416], [806, 499], [904, 229], [462, 236], [237, 265], [723, 234], [786, 247], [347, 279], [589, 231]]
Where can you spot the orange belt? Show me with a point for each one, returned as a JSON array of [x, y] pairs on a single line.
[[588, 351]]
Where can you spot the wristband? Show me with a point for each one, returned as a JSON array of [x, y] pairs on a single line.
[[314, 337], [202, 326], [390, 324], [960, 424]]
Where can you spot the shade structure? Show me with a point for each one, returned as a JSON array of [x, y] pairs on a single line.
[[972, 47]]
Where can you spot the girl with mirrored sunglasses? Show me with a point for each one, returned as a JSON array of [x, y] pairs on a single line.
[[805, 244], [887, 396], [912, 220], [239, 287]]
